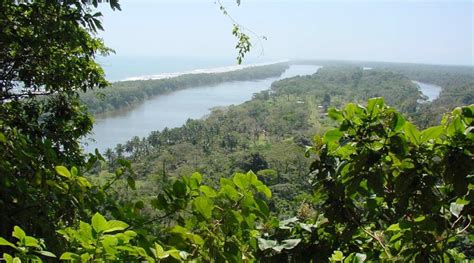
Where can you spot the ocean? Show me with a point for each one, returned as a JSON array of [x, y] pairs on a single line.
[[120, 67]]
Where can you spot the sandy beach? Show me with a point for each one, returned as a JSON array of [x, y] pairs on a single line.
[[201, 71]]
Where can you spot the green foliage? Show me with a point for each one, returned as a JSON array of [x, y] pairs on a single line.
[[27, 248], [36, 59], [380, 188], [210, 225], [216, 225], [243, 43], [382, 191], [339, 85], [102, 241], [243, 40], [391, 191], [47, 56]]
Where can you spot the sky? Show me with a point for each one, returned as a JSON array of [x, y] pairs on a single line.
[[432, 32]]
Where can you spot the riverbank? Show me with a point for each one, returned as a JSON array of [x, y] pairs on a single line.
[[430, 91], [125, 94], [174, 109]]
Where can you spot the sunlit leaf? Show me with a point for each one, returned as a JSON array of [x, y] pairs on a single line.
[[431, 133], [99, 223], [241, 181], [18, 233], [394, 227], [115, 225], [456, 208], [208, 191], [412, 133], [337, 256], [46, 254], [332, 136], [204, 206], [63, 171]]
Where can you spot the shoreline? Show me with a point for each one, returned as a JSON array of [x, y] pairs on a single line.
[[201, 71], [429, 90]]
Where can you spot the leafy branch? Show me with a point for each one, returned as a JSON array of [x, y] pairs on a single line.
[[244, 44]]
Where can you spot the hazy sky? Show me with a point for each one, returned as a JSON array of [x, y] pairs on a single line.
[[439, 32]]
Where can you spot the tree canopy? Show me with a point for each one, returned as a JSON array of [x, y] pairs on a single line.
[[47, 55]]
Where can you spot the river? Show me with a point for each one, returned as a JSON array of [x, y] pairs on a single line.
[[174, 109], [429, 90]]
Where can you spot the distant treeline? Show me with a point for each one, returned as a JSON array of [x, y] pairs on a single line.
[[441, 75], [128, 93], [346, 83], [456, 82]]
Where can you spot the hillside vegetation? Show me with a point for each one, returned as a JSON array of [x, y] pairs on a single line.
[[457, 83], [267, 135], [324, 168]]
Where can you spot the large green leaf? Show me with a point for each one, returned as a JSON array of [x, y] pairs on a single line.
[[332, 136], [397, 122], [412, 133], [69, 256], [394, 228], [204, 206], [99, 223], [197, 176], [335, 114], [265, 190], [74, 171], [115, 225], [159, 252], [263, 207], [7, 258], [83, 182], [374, 105], [230, 192], [63, 171], [241, 181], [350, 110], [18, 233], [431, 133], [253, 179], [31, 242], [176, 254], [208, 191], [177, 229]]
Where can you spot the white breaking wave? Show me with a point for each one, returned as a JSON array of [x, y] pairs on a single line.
[[200, 71]]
